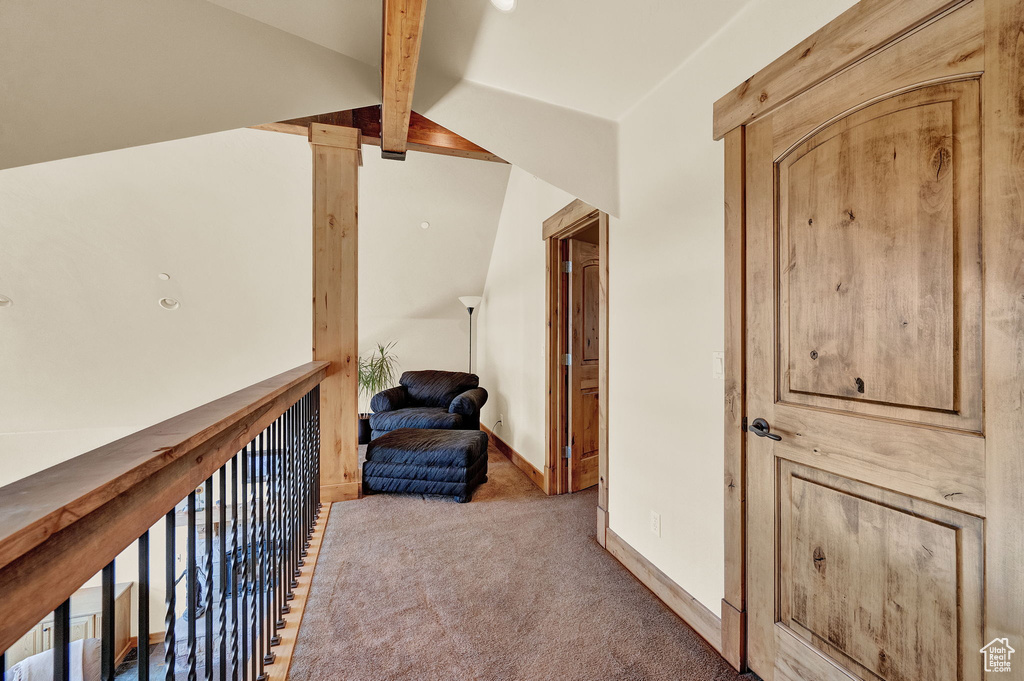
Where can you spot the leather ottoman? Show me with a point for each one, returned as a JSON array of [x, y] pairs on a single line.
[[427, 461]]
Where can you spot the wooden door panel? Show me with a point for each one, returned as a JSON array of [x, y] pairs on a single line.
[[953, 48], [584, 396], [879, 276], [591, 312], [797, 660], [888, 585], [863, 351], [844, 213], [937, 466]]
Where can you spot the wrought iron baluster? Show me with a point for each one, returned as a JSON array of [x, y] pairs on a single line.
[[245, 580], [235, 582], [190, 590], [208, 580], [287, 570], [259, 481], [223, 583], [107, 652], [170, 577], [142, 647], [273, 546], [62, 641]]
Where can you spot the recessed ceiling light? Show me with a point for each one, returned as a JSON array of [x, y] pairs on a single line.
[[424, 225], [169, 304], [5, 301], [504, 5], [163, 276]]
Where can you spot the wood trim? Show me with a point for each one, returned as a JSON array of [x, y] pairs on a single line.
[[734, 636], [336, 303], [602, 378], [424, 134], [517, 459], [555, 480], [60, 526], [1003, 252], [287, 128], [293, 620], [334, 136], [342, 491], [400, 55], [602, 527], [853, 35], [567, 220], [694, 613], [571, 219], [734, 647]]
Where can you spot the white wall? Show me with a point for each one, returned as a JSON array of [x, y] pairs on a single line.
[[135, 72], [666, 302], [89, 356], [410, 278], [666, 291], [512, 325]]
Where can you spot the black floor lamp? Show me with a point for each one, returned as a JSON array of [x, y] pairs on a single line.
[[471, 302]]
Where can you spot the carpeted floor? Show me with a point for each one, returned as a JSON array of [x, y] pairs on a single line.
[[512, 586]]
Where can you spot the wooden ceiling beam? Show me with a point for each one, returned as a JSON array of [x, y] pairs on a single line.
[[400, 55], [424, 134]]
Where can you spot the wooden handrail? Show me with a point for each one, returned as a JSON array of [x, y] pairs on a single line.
[[60, 526]]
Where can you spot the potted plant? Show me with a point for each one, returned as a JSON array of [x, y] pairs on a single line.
[[376, 373]]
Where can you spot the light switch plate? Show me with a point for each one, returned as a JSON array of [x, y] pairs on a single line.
[[718, 365]]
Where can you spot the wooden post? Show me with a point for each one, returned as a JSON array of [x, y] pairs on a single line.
[[336, 160]]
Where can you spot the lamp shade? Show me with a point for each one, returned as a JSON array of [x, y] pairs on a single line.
[[470, 301]]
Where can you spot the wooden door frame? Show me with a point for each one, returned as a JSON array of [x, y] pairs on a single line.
[[567, 222], [867, 28]]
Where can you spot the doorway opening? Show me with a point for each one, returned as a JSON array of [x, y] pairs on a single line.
[[577, 353]]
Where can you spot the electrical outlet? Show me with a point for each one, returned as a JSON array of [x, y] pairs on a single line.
[[655, 523], [501, 419], [718, 365]]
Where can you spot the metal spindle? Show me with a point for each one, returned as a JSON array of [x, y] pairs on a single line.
[[235, 586], [273, 546], [243, 557], [191, 600], [171, 576], [62, 641], [259, 481], [107, 651], [208, 591], [143, 640], [223, 610], [288, 570], [316, 455]]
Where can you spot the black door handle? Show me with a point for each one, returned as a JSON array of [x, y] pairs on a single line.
[[761, 428]]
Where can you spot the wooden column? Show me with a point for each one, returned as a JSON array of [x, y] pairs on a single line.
[[336, 160]]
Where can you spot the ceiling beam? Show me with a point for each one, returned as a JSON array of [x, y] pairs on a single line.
[[424, 134], [400, 54]]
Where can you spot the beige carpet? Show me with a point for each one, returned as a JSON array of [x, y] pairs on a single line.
[[510, 586]]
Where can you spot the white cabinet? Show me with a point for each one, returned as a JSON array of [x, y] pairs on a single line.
[[86, 622]]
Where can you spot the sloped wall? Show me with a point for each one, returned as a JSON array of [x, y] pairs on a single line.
[[512, 325]]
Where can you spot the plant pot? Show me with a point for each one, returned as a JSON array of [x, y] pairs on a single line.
[[364, 429]]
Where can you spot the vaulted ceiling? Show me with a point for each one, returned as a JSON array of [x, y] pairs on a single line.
[[542, 86]]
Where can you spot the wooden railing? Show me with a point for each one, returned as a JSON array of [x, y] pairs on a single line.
[[63, 525]]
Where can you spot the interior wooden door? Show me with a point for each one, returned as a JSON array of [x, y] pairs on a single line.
[[866, 479], [584, 396]]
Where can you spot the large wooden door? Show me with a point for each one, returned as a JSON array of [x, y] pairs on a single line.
[[867, 488], [583, 335]]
